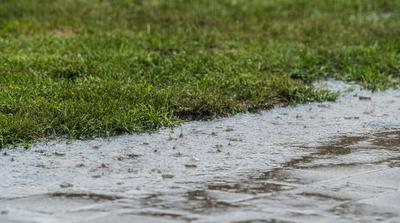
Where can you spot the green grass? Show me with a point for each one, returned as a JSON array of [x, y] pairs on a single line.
[[83, 68]]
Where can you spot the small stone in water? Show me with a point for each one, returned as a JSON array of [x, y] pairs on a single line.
[[66, 185], [366, 98], [167, 176], [189, 165], [59, 154]]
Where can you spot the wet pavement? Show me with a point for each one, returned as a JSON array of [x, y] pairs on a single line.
[[319, 162]]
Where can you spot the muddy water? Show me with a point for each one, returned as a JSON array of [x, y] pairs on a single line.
[[320, 162]]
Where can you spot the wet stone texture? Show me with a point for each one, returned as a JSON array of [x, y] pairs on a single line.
[[355, 179], [321, 162]]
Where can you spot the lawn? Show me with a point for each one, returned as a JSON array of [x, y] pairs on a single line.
[[85, 68]]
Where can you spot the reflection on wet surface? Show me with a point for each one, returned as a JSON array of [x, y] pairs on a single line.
[[345, 180]]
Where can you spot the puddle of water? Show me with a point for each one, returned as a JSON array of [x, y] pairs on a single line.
[[266, 167]]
